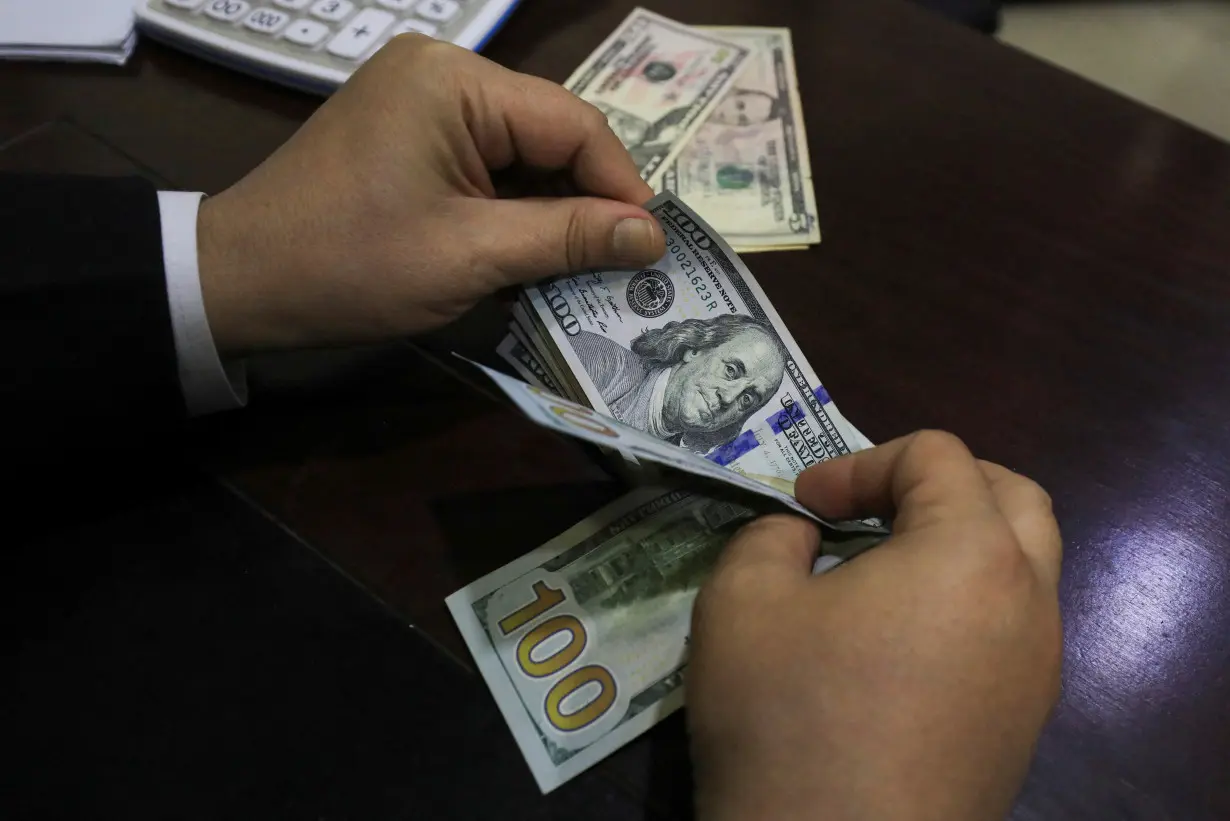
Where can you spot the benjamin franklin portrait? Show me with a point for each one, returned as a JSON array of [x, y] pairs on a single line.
[[694, 383]]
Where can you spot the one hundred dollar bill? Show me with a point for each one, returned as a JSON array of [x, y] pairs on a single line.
[[583, 641], [572, 419], [657, 80], [691, 351], [746, 170], [534, 332], [525, 363]]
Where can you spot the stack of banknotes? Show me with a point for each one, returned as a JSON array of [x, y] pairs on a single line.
[[712, 114], [685, 364]]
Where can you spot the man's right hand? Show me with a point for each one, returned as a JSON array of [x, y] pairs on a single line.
[[909, 684]]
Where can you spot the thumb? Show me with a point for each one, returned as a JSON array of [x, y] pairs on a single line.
[[534, 238], [767, 554]]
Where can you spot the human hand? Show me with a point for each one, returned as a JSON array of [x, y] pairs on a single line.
[[379, 217], [909, 684]]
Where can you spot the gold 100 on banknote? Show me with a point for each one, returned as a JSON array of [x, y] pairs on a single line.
[[584, 641]]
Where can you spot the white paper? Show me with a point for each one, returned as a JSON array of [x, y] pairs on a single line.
[[74, 30]]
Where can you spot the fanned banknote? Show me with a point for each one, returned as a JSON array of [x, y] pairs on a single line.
[[657, 80], [572, 419], [691, 350], [584, 641], [525, 363], [746, 170]]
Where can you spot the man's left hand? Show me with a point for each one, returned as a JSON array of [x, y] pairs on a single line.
[[379, 218]]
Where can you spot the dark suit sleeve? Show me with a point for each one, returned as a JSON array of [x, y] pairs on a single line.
[[86, 341]]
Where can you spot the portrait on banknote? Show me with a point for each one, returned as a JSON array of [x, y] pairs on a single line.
[[747, 106], [694, 383], [643, 138], [746, 169], [732, 143]]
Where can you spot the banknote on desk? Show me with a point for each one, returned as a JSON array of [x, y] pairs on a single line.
[[657, 80], [746, 170], [583, 641]]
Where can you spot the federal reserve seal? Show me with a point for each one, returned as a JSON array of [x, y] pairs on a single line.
[[650, 293]]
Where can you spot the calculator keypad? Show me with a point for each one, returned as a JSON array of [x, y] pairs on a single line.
[[337, 34]]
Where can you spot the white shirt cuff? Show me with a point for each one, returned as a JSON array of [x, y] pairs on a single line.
[[207, 384]]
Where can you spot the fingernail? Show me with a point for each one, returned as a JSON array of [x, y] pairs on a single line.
[[634, 240]]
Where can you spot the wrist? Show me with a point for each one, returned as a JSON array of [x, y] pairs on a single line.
[[232, 259], [844, 791], [738, 780], [757, 799]]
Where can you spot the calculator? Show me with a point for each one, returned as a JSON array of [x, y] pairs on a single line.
[[314, 45]]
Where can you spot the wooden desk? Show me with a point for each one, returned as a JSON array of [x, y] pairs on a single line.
[[1009, 253]]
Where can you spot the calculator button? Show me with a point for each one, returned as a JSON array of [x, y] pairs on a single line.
[[360, 33], [437, 9], [292, 4], [395, 5], [184, 4], [415, 27], [227, 10], [332, 10], [305, 32], [266, 21]]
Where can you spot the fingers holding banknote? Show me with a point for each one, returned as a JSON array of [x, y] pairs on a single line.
[[379, 217], [910, 683]]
